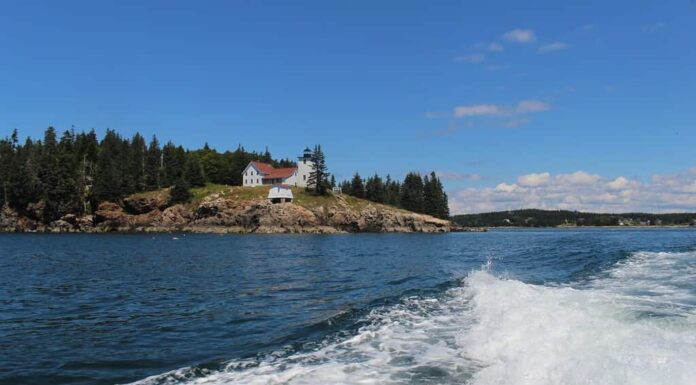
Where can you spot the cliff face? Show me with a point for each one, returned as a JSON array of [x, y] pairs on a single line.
[[236, 211]]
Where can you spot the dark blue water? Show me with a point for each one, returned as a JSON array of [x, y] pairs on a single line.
[[106, 309]]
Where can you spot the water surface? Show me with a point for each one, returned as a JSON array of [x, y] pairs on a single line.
[[505, 307]]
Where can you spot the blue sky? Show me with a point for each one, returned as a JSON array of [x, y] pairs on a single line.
[[491, 95]]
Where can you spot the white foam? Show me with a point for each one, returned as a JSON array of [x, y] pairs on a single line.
[[503, 331]]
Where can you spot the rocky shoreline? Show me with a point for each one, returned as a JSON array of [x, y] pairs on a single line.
[[222, 213]]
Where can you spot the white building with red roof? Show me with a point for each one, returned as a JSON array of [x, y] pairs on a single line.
[[259, 173]]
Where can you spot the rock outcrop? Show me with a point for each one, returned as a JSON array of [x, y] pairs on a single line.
[[221, 213]]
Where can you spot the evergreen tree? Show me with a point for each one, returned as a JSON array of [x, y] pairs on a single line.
[[374, 189], [137, 159], [24, 184], [412, 193], [174, 161], [194, 173], [318, 181], [180, 192], [153, 166], [108, 178], [392, 192], [333, 182], [357, 188], [345, 187]]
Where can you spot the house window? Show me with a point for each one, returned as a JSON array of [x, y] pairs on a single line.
[[304, 177], [257, 181]]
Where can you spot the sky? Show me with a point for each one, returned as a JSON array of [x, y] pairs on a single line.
[[561, 105]]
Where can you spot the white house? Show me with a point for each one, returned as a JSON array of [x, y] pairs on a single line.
[[280, 194], [259, 173]]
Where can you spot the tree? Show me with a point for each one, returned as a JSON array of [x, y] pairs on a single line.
[[180, 192], [392, 192], [108, 177], [194, 173], [318, 180], [357, 188], [374, 189], [153, 166], [412, 193], [174, 161], [136, 163]]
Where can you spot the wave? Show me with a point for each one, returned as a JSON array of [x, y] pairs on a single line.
[[493, 330]]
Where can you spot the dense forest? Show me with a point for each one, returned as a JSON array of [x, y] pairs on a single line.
[[554, 218], [72, 172], [424, 195]]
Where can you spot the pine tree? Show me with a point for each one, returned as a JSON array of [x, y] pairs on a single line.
[[318, 181], [333, 182], [357, 188], [153, 166], [180, 192], [136, 162], [374, 189], [412, 193], [194, 173], [392, 192], [108, 178]]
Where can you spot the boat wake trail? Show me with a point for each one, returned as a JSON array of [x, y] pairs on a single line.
[[634, 324]]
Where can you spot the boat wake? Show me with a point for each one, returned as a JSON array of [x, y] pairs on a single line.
[[634, 324]]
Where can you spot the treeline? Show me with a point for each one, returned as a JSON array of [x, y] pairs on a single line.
[[73, 173], [424, 195], [555, 218]]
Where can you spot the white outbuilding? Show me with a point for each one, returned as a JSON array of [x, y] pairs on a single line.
[[280, 194]]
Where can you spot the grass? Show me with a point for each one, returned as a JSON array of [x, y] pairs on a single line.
[[301, 196]]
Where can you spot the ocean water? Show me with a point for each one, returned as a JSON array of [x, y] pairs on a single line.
[[586, 306]]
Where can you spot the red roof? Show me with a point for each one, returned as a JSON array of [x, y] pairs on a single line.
[[269, 172]]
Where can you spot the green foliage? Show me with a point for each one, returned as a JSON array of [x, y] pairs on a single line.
[[554, 218], [434, 197], [180, 192], [194, 173], [412, 192], [374, 189], [318, 181], [421, 195], [50, 178], [357, 187]]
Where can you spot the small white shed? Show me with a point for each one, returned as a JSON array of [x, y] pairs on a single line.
[[280, 194]]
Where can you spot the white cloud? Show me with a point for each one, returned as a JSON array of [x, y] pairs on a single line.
[[582, 191], [579, 178], [472, 58], [477, 110], [621, 183], [506, 188], [520, 36], [555, 46], [457, 176], [534, 179], [495, 47], [526, 106], [521, 108]]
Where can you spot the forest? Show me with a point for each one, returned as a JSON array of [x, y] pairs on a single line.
[[72, 172], [555, 218], [424, 195]]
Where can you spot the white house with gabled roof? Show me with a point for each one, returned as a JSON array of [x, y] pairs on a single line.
[[260, 173]]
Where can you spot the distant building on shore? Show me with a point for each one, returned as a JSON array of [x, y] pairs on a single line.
[[259, 173]]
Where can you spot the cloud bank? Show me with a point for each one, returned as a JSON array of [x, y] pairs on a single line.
[[582, 191]]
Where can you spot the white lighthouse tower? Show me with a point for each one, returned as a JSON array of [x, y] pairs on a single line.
[[304, 167]]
